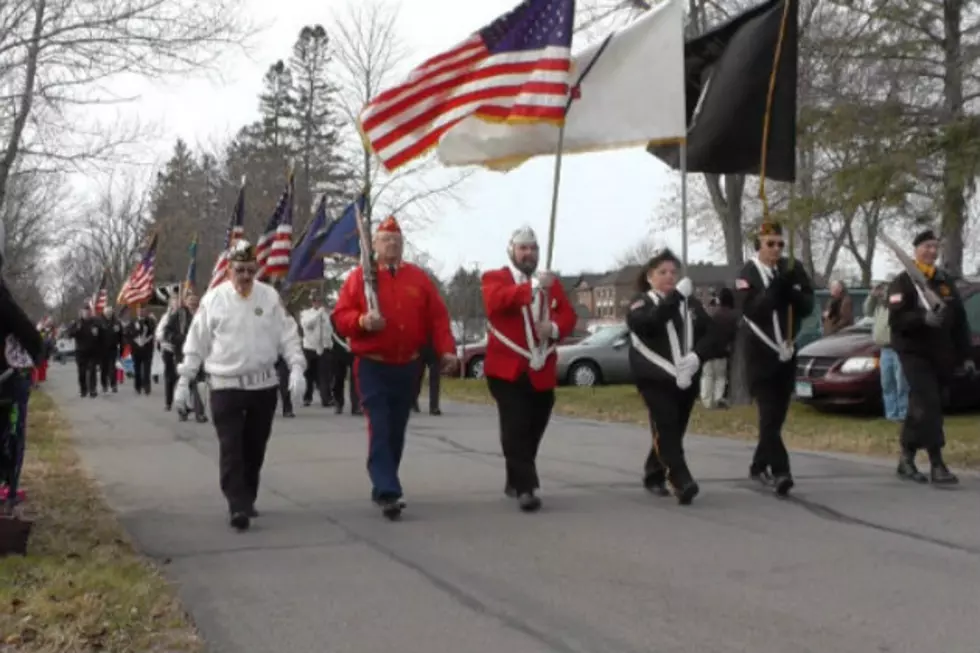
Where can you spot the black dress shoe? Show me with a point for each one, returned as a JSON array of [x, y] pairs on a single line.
[[435, 411], [908, 471], [252, 513], [239, 521], [940, 475], [764, 477], [357, 411], [656, 484], [529, 502], [510, 491], [782, 484], [288, 413], [391, 509], [201, 419], [338, 409], [686, 493]]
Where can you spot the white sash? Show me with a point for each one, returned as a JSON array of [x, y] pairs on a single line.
[[537, 355], [778, 344], [676, 353], [340, 342]]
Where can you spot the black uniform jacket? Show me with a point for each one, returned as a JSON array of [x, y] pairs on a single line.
[[947, 346], [14, 322], [176, 328], [341, 347], [648, 322], [789, 287], [87, 332], [111, 337], [143, 327]]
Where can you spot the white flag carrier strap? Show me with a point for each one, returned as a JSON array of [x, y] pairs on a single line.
[[653, 356], [536, 359], [782, 349], [675, 347]]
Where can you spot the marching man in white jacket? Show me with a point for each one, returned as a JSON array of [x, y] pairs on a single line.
[[239, 331], [317, 347]]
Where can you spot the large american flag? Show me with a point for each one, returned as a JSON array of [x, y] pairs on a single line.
[[138, 288], [235, 232], [276, 243], [515, 69]]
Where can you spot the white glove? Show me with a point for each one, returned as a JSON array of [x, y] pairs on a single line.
[[685, 287], [297, 384], [687, 367], [182, 395]]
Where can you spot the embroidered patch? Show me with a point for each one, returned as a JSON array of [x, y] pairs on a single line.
[[258, 310], [895, 299], [637, 304], [742, 284], [944, 290]]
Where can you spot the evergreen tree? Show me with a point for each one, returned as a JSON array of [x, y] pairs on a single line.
[[175, 204], [321, 167]]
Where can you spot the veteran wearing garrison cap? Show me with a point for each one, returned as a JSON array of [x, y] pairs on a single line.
[[773, 296], [386, 345], [239, 332], [931, 342], [528, 314]]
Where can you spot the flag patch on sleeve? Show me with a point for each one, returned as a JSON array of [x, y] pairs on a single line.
[[742, 284], [895, 299], [637, 304]]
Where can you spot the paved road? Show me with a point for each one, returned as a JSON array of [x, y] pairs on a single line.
[[856, 563]]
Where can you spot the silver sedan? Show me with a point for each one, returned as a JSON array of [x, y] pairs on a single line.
[[602, 358]]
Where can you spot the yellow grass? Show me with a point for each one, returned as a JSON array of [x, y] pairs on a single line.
[[806, 428], [82, 587]]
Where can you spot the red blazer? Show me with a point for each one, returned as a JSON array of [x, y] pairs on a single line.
[[503, 300]]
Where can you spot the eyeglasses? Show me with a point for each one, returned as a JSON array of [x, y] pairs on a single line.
[[775, 244], [245, 271]]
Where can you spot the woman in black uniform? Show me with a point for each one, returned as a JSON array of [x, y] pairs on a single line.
[[671, 336]]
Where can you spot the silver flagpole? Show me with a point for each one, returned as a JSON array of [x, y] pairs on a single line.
[[683, 162]]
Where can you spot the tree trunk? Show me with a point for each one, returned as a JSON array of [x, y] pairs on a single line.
[[954, 173], [26, 100]]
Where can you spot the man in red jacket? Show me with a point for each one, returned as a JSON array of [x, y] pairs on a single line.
[[528, 315], [385, 345]]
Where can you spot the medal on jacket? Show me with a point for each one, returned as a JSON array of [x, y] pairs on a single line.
[[258, 311]]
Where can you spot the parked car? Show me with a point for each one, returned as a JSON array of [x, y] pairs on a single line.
[[811, 328], [602, 358], [841, 370], [471, 356]]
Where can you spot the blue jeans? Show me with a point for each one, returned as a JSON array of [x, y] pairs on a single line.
[[387, 393], [894, 387]]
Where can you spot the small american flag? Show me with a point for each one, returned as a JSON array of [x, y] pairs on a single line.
[[101, 297], [138, 288], [515, 69], [236, 231], [276, 243]]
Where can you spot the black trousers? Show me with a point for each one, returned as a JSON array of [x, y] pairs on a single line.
[[434, 371], [243, 421], [342, 367], [87, 377], [169, 376], [773, 394], [669, 408], [923, 426], [142, 361], [524, 414], [319, 370], [107, 370]]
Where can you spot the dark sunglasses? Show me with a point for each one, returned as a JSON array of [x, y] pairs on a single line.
[[776, 244], [248, 272]]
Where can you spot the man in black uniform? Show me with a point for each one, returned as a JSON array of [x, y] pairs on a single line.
[[111, 338], [175, 332], [773, 295], [932, 338], [343, 363], [430, 363], [88, 335], [140, 335]]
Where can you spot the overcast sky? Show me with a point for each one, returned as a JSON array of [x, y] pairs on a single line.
[[606, 203]]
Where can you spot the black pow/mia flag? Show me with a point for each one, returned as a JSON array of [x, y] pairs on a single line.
[[728, 71]]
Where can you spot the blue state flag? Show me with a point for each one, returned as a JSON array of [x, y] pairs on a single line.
[[303, 254]]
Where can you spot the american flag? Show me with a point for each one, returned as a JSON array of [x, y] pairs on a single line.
[[138, 288], [515, 69], [101, 297], [276, 243], [236, 231]]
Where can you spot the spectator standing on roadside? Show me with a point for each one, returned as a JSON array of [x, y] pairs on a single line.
[[894, 387]]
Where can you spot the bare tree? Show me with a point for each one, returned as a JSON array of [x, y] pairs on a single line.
[[639, 252], [369, 56], [58, 56]]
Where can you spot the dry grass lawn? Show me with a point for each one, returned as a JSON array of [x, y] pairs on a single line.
[[806, 428], [82, 588]]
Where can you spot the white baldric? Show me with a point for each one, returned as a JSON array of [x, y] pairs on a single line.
[[537, 355], [778, 343], [676, 353]]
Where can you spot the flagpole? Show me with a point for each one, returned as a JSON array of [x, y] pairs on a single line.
[[683, 166]]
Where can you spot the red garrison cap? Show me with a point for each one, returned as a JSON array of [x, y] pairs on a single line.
[[389, 225]]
